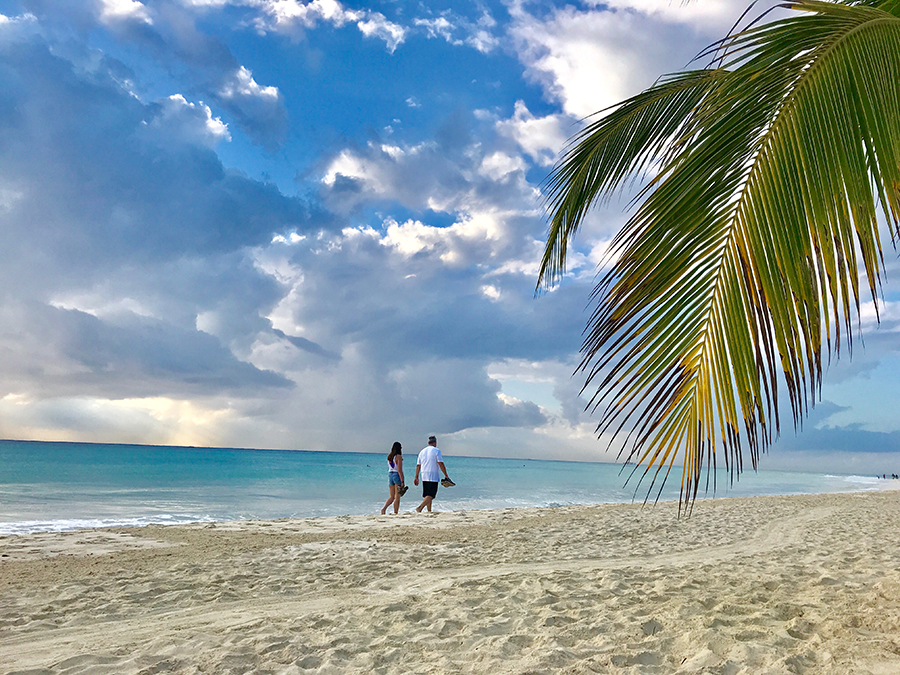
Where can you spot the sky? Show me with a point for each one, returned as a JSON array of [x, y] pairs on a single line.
[[316, 225]]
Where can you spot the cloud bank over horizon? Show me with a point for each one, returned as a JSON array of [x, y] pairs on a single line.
[[316, 225]]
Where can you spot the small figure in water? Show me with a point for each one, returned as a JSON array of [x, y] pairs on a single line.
[[396, 482]]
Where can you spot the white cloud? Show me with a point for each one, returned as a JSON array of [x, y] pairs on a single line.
[[449, 27], [123, 10], [257, 108], [590, 60], [241, 83], [377, 26], [285, 16], [413, 236], [437, 27], [208, 3], [292, 238], [483, 41], [394, 151], [429, 175], [586, 61], [101, 306], [369, 172], [714, 15], [888, 313], [498, 165], [491, 292], [188, 122], [12, 27], [484, 187], [541, 138]]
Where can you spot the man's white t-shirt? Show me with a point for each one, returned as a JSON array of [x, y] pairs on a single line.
[[428, 459]]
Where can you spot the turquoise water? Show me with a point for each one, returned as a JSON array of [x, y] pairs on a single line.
[[65, 486]]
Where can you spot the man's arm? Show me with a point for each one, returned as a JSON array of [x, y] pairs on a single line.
[[443, 468], [416, 479]]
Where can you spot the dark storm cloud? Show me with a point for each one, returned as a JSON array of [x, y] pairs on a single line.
[[76, 354], [88, 187], [453, 395], [98, 202], [430, 315], [416, 337], [418, 307]]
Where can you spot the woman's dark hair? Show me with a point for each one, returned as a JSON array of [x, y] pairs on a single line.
[[395, 450]]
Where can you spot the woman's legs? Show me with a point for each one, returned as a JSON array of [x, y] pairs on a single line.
[[393, 499], [396, 498]]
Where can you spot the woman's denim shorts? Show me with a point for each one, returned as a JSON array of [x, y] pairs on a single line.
[[393, 478]]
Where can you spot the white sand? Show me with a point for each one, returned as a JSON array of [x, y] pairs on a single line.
[[756, 585]]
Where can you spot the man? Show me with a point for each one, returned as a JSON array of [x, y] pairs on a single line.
[[429, 465]]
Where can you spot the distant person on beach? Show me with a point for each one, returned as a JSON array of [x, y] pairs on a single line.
[[429, 465], [396, 482]]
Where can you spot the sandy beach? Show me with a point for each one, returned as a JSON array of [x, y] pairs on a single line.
[[807, 584]]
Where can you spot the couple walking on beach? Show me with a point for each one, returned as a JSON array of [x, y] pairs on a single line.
[[429, 466]]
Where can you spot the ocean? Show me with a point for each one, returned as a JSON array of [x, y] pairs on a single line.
[[51, 487]]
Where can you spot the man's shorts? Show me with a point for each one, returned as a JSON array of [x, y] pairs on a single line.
[[429, 489]]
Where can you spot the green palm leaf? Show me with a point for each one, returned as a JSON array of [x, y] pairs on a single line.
[[740, 266]]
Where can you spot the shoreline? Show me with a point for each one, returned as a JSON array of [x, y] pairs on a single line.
[[773, 584], [31, 527]]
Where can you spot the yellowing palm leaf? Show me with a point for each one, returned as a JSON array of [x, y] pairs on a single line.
[[742, 260]]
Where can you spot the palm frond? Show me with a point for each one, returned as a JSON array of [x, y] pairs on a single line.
[[610, 150], [740, 267]]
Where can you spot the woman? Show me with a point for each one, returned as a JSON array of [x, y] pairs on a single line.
[[396, 483]]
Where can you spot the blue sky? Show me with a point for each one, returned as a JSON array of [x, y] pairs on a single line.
[[280, 224]]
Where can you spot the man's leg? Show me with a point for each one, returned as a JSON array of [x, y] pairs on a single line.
[[429, 492]]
